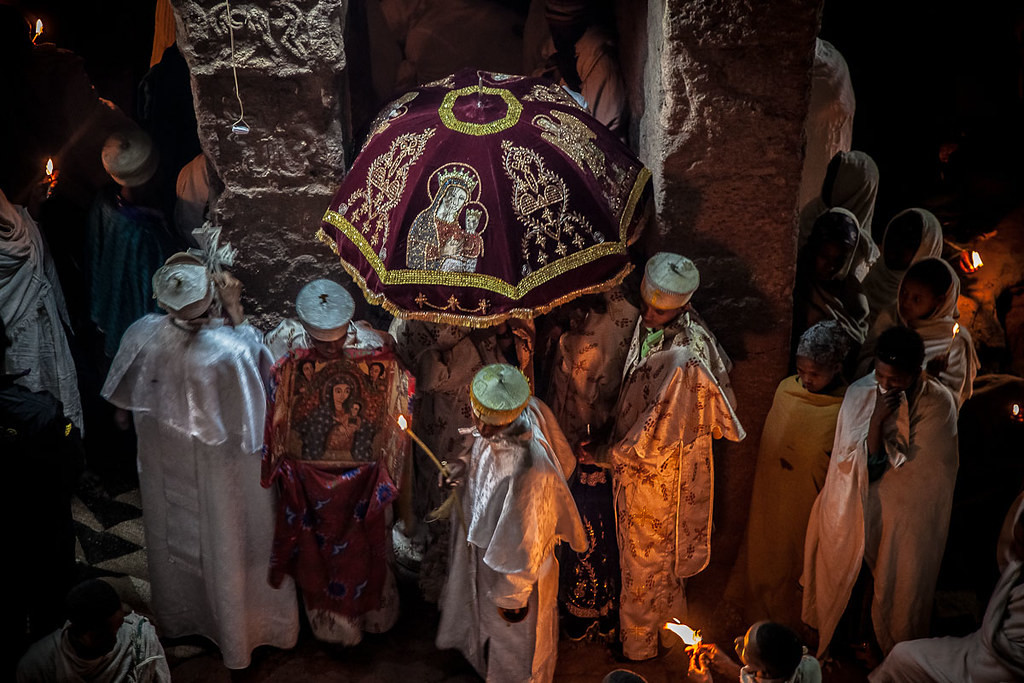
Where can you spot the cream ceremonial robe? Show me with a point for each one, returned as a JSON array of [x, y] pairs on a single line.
[[671, 407], [199, 405], [937, 333], [992, 654], [587, 372], [517, 508], [897, 524]]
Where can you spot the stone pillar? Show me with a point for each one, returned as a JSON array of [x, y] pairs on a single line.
[[275, 182], [720, 93]]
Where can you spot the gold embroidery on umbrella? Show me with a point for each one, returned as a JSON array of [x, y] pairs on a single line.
[[513, 108], [446, 236], [453, 304], [389, 114], [554, 94], [573, 137], [540, 200], [370, 206], [446, 82]]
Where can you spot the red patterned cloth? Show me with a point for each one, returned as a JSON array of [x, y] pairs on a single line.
[[330, 534], [334, 449]]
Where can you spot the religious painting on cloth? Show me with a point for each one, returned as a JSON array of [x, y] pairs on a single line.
[[334, 448], [486, 196]]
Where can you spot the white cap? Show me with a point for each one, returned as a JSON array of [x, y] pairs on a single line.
[[325, 309], [129, 157], [182, 287], [669, 281]]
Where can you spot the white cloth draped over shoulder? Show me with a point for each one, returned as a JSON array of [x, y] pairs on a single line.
[[882, 283], [517, 508], [137, 657], [199, 406], [854, 189], [897, 524], [33, 310], [937, 333], [992, 654], [829, 124]]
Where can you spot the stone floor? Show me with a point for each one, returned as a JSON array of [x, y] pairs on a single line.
[[111, 545]]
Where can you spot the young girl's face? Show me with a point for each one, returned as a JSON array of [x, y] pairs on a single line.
[[917, 301], [814, 376]]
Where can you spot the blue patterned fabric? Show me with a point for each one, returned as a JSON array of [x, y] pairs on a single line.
[[125, 245]]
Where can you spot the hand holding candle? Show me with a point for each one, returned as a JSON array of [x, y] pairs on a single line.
[[694, 644], [442, 467]]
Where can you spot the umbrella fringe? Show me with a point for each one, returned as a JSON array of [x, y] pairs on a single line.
[[465, 320]]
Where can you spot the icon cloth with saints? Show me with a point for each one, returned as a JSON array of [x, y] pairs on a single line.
[[333, 446]]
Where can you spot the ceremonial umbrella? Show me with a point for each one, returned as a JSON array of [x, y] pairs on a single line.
[[485, 196]]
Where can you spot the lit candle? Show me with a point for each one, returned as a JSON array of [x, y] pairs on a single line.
[[51, 177], [442, 467], [1015, 413], [956, 331], [403, 424], [693, 642], [39, 30], [976, 261]]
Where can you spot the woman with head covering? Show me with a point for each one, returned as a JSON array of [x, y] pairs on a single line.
[[911, 235], [791, 466], [926, 303], [851, 183], [825, 286]]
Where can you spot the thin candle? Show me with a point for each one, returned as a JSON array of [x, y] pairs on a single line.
[[404, 426]]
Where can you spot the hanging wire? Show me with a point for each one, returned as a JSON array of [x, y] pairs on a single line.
[[239, 126]]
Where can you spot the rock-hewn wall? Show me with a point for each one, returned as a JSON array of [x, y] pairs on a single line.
[[720, 92], [276, 181]]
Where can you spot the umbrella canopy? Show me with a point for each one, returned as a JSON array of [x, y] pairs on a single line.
[[485, 196]]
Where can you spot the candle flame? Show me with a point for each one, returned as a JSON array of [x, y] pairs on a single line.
[[956, 329], [402, 422], [1015, 410], [49, 167], [976, 261], [39, 29], [687, 634]]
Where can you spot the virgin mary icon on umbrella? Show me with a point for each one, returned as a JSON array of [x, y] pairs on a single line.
[[484, 197]]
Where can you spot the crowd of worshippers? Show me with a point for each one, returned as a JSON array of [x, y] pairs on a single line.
[[574, 484]]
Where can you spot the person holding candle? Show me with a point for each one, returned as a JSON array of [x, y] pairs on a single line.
[[883, 513], [674, 401], [194, 382], [927, 303], [796, 443], [499, 603], [769, 653], [334, 453]]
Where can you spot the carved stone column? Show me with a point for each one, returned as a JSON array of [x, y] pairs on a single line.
[[719, 96], [276, 181]]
